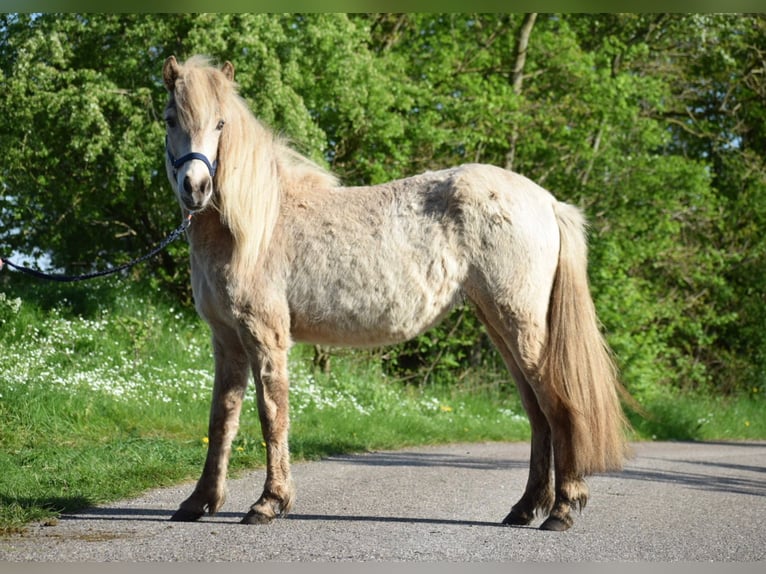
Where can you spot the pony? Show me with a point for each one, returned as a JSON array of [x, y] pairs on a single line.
[[280, 252]]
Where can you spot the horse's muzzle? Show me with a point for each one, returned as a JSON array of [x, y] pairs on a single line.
[[196, 194]]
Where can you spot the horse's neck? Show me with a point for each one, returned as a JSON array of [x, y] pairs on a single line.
[[209, 238]]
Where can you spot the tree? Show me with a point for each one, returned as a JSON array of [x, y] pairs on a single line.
[[82, 139], [83, 175], [719, 118], [589, 124], [653, 123]]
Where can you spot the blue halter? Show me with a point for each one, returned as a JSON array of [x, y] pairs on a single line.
[[177, 163]]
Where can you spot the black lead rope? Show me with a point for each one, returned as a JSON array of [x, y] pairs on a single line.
[[69, 278]]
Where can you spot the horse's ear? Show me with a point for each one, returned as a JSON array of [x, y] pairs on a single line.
[[228, 70], [170, 73]]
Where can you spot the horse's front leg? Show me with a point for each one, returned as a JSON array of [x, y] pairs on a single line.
[[269, 352], [231, 373]]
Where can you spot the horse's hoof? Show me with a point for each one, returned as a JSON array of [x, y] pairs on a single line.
[[557, 524], [517, 518], [182, 515], [254, 517]]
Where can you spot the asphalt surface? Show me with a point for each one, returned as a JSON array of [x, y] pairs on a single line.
[[673, 502]]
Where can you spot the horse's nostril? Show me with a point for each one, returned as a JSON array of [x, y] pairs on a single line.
[[187, 185]]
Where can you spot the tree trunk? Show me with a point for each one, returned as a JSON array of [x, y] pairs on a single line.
[[517, 77]]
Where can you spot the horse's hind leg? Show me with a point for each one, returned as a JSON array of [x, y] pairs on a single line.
[[571, 490], [552, 424], [231, 369], [268, 348], [538, 494]]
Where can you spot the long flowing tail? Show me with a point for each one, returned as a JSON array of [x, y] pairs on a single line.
[[577, 362]]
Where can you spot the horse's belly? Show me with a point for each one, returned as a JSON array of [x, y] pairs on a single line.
[[374, 302]]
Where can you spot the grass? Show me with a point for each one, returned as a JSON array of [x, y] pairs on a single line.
[[105, 388], [695, 416]]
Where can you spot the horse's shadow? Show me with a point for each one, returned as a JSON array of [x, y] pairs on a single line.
[[377, 459], [707, 476], [163, 515]]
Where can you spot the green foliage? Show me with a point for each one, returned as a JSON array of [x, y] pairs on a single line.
[[448, 353], [653, 123]]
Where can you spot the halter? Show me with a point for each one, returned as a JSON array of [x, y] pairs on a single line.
[[177, 163]]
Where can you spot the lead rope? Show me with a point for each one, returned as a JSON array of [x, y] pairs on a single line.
[[69, 278]]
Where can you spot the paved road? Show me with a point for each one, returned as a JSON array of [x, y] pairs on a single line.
[[674, 502]]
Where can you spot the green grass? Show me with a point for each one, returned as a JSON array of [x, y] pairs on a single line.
[[105, 389], [702, 417]]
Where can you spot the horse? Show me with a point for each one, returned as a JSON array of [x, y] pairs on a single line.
[[281, 252]]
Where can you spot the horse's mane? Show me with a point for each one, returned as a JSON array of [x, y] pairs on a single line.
[[255, 164]]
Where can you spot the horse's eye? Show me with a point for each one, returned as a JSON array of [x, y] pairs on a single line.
[[220, 125], [170, 122]]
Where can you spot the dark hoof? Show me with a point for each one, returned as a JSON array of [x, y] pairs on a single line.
[[556, 524], [182, 515], [517, 518], [254, 517]]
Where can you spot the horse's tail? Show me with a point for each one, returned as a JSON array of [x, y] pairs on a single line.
[[577, 362]]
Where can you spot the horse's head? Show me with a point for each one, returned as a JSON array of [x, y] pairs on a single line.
[[194, 120]]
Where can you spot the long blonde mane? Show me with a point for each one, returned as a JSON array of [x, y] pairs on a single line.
[[255, 165]]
